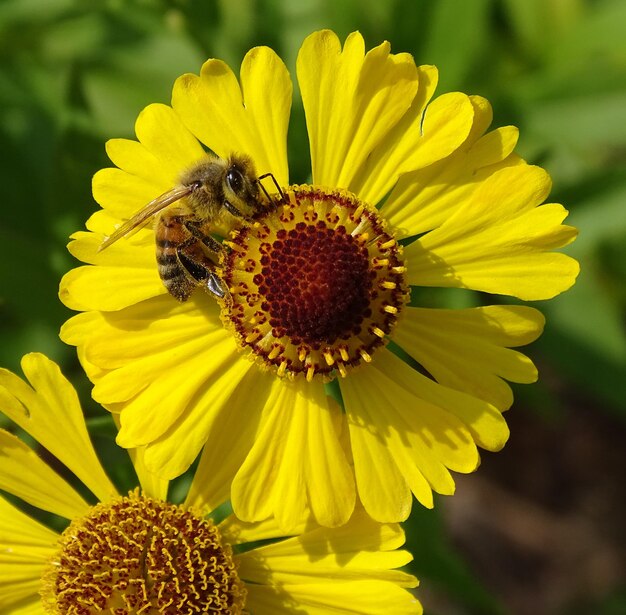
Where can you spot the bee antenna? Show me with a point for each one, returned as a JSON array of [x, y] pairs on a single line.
[[278, 188]]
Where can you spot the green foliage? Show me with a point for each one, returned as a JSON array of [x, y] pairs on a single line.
[[75, 72]]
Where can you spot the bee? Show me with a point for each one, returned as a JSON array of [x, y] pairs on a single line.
[[186, 252]]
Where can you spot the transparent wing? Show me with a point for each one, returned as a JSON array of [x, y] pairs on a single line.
[[147, 212]]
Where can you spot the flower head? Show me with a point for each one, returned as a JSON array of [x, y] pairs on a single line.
[[323, 372], [138, 553]]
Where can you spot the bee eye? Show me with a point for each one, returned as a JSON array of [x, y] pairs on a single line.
[[234, 179]]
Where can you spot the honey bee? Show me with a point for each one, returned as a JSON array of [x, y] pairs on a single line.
[[186, 253]]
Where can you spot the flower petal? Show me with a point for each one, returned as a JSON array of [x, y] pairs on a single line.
[[469, 349], [21, 534], [151, 485], [84, 246], [425, 198], [382, 486], [50, 412], [25, 475], [28, 607], [162, 133], [499, 241], [109, 288], [229, 440], [360, 549], [367, 597], [296, 461], [154, 390], [483, 421], [250, 119], [26, 548], [418, 140], [165, 456], [166, 384], [122, 194], [237, 532], [346, 123], [420, 434]]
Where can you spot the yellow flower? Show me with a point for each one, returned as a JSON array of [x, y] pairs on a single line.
[[319, 284], [140, 554]]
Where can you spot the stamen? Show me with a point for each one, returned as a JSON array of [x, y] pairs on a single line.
[[365, 356], [252, 337], [276, 350], [281, 369], [378, 332]]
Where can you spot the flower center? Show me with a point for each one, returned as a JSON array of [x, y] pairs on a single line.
[[137, 555], [316, 283]]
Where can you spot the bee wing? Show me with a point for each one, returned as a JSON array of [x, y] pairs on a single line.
[[145, 213]]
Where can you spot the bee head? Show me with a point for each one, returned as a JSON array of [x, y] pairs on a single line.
[[240, 185]]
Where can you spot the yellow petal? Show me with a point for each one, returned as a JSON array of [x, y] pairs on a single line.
[[27, 607], [229, 440], [109, 288], [25, 475], [234, 531], [122, 194], [50, 412], [309, 565], [251, 118], [133, 347], [382, 485], [499, 241], [164, 385], [152, 485], [424, 199], [171, 454], [162, 133], [469, 350], [346, 123], [19, 590], [123, 337], [359, 549], [417, 141], [22, 535], [84, 246], [367, 597], [483, 421], [286, 469], [76, 329], [423, 439]]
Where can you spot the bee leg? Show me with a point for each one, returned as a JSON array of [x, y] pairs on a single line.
[[204, 238], [199, 268], [269, 198], [196, 262], [215, 286], [231, 209]]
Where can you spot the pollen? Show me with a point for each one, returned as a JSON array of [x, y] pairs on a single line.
[[316, 284], [136, 555]]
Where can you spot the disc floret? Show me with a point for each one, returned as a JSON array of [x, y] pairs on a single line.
[[316, 283], [139, 555]]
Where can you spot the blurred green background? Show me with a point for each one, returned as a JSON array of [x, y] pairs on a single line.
[[539, 529]]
